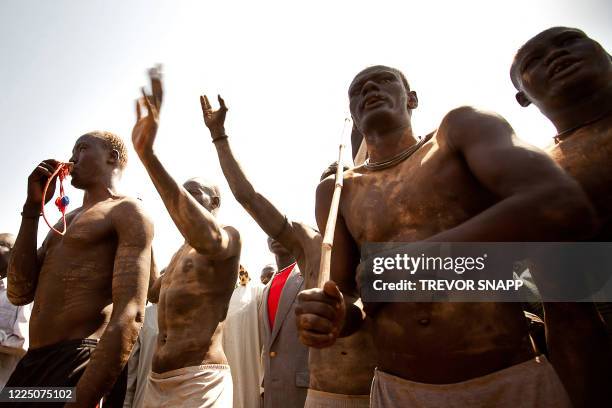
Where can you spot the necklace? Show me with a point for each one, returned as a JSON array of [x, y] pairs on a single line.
[[398, 158], [563, 134]]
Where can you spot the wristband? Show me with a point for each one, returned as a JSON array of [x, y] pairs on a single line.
[[216, 139], [30, 213]]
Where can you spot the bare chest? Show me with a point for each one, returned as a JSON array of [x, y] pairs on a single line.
[[587, 156], [428, 193], [191, 280]]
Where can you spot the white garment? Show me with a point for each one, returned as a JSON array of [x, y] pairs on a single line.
[[14, 326], [139, 364], [242, 345]]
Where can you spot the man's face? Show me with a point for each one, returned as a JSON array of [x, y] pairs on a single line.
[[6, 245], [244, 277], [92, 159], [558, 65], [376, 94], [201, 194], [276, 248], [266, 274]]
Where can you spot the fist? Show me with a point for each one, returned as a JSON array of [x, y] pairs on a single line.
[[320, 315], [37, 180]]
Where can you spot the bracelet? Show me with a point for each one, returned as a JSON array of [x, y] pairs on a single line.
[[216, 139], [30, 215]]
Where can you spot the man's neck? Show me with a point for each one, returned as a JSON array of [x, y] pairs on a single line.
[[98, 193], [283, 261], [584, 111], [384, 144]]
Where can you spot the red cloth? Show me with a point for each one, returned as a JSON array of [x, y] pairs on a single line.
[[276, 288]]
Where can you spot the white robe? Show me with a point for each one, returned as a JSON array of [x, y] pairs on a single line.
[[242, 344]]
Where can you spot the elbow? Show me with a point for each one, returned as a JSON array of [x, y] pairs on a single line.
[[569, 208], [211, 245], [19, 300]]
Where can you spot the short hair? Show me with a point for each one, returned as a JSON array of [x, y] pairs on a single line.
[[394, 70], [112, 142]]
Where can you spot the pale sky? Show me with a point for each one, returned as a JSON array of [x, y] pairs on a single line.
[[283, 67]]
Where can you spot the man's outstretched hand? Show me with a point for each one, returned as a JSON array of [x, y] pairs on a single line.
[[214, 120], [320, 315], [145, 129]]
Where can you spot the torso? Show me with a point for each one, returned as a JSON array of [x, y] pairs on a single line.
[[354, 354], [73, 298], [428, 193], [193, 303], [587, 156]]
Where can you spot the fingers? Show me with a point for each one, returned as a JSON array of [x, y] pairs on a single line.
[[324, 310], [331, 289], [203, 103], [319, 296], [221, 102], [313, 323], [138, 112], [206, 104], [150, 108], [44, 170], [316, 340]]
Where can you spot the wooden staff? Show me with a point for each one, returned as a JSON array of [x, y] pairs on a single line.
[[330, 227]]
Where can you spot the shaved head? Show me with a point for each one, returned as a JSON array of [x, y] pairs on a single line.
[[377, 68], [204, 192]]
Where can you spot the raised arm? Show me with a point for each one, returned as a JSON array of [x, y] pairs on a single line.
[[197, 225], [265, 214], [537, 200], [131, 274], [26, 260]]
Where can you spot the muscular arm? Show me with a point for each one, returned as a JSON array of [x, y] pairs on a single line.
[[24, 264], [265, 214], [537, 200], [197, 225], [129, 290], [344, 259], [153, 295]]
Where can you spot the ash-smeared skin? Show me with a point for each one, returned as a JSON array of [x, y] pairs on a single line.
[[92, 282], [353, 354], [577, 342], [195, 290], [473, 181]]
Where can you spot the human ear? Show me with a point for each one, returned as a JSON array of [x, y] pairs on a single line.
[[522, 99], [113, 157], [413, 100]]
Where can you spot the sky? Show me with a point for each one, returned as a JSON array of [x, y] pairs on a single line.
[[283, 68]]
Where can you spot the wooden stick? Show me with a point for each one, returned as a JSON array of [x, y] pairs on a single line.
[[330, 227]]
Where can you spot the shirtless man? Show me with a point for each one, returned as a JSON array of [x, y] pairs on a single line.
[[295, 241], [463, 184], [189, 366], [568, 76], [88, 286]]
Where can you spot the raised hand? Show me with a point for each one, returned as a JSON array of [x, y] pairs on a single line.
[[214, 120], [36, 183], [145, 129]]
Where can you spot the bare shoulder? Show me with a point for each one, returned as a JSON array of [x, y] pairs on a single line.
[[468, 124], [128, 211]]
